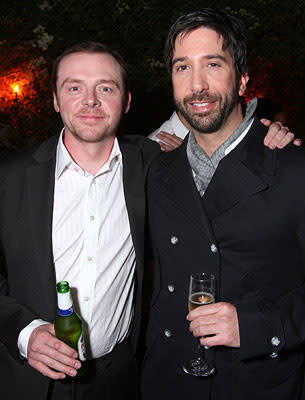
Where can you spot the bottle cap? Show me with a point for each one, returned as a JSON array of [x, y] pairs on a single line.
[[63, 287]]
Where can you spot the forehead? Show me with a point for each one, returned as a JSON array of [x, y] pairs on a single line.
[[89, 66], [198, 42]]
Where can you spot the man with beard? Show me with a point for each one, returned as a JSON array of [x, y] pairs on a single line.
[[172, 132], [74, 209], [224, 204]]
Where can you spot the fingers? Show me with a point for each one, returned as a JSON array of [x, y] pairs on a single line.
[[217, 324], [64, 365], [215, 340], [204, 328], [169, 142], [51, 356], [275, 130], [205, 310], [279, 136], [287, 138], [297, 142], [265, 121], [46, 371]]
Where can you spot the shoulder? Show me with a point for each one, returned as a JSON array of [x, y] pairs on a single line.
[[148, 148], [25, 157], [166, 162], [17, 159], [167, 126], [138, 142], [292, 157]]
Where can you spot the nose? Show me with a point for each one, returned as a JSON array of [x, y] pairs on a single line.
[[199, 82], [90, 98]]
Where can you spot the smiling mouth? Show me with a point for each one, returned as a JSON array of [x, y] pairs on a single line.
[[91, 116], [200, 104], [202, 107]]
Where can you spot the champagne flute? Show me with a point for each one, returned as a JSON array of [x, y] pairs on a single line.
[[201, 292]]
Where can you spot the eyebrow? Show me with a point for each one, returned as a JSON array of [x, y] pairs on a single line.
[[72, 80], [208, 57]]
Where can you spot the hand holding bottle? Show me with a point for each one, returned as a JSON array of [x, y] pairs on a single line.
[[51, 356]]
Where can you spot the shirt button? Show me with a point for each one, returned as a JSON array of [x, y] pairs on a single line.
[[171, 288], [89, 258], [86, 298], [174, 240], [167, 333], [275, 341], [213, 248], [92, 217]]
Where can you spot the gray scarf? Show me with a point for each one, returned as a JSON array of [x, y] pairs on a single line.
[[203, 166]]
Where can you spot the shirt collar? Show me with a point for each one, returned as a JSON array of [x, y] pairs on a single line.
[[239, 139], [64, 160], [179, 128]]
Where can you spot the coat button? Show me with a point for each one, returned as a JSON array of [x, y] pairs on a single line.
[[273, 355], [174, 240], [171, 288], [275, 341], [213, 248], [167, 333]]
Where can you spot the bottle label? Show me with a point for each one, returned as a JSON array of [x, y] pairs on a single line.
[[65, 304], [65, 313], [81, 348]]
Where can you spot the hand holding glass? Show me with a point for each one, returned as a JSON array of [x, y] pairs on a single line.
[[201, 292]]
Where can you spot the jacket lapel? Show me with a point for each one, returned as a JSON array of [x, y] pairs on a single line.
[[242, 173], [40, 193], [177, 182], [134, 181]]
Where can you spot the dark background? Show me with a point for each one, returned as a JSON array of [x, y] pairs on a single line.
[[33, 33]]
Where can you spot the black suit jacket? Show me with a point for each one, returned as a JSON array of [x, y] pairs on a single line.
[[27, 280], [248, 230]]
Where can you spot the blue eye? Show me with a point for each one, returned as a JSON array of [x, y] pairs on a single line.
[[106, 89]]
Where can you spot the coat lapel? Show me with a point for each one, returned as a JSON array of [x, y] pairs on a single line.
[[134, 182], [240, 174], [40, 194], [177, 181]]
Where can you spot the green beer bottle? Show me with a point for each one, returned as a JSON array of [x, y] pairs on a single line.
[[68, 326]]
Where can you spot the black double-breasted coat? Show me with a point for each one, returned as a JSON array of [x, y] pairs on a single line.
[[248, 230]]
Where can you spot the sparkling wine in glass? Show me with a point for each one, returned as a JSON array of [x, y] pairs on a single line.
[[201, 292]]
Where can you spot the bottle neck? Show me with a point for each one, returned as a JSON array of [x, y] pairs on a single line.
[[65, 304]]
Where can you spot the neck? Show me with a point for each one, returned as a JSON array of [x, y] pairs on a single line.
[[209, 142], [89, 156]]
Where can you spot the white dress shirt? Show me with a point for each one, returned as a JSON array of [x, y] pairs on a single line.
[[93, 249], [172, 126]]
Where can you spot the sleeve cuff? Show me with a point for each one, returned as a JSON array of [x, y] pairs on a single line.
[[25, 334], [261, 333]]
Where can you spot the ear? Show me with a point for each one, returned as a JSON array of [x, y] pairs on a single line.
[[55, 103], [128, 101], [243, 80]]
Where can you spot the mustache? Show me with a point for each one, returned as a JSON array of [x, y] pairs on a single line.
[[206, 97], [100, 114]]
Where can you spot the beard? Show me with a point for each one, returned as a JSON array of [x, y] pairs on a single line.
[[210, 121], [94, 133]]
